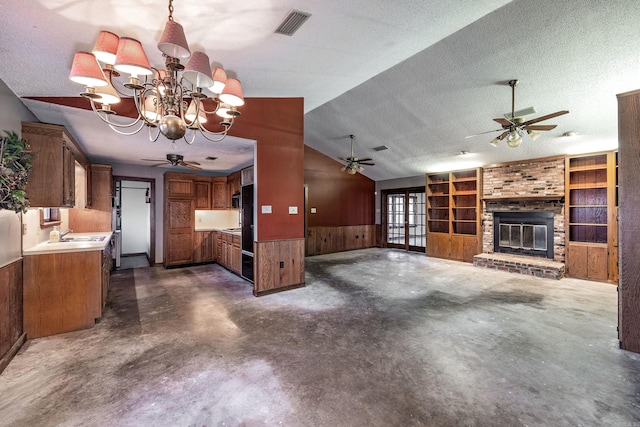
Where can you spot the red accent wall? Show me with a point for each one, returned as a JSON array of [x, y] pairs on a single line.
[[277, 124], [339, 198]]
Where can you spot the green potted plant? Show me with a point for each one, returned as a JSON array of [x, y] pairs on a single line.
[[15, 166]]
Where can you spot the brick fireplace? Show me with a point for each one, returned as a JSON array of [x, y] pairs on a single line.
[[531, 188]]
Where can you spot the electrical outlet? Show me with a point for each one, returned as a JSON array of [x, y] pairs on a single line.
[[281, 264], [24, 229]]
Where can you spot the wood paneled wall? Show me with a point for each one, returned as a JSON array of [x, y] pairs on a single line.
[[11, 312], [339, 199], [629, 222], [327, 240], [279, 266]]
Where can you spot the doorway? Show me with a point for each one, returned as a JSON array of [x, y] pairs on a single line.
[[404, 219], [134, 217]]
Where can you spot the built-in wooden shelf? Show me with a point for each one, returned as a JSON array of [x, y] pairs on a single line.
[[524, 198]]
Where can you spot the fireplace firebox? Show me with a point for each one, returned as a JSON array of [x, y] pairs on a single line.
[[523, 233]]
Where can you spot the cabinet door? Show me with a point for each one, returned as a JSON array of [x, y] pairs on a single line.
[[101, 187], [179, 237], [68, 176], [219, 194], [203, 194], [179, 185]]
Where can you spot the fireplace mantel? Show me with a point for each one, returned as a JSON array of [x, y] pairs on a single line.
[[524, 198]]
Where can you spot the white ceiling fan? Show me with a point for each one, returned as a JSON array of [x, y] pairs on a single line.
[[354, 164]]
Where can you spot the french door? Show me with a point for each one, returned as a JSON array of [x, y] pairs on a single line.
[[405, 218]]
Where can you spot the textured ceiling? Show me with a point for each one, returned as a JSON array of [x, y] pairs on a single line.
[[416, 76]]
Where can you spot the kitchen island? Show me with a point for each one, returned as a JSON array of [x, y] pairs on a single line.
[[65, 283]]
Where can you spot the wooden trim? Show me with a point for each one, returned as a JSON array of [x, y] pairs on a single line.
[[277, 290], [517, 162], [152, 211], [4, 362], [554, 197], [278, 264]]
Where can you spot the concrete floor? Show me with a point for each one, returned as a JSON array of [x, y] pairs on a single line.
[[377, 338]]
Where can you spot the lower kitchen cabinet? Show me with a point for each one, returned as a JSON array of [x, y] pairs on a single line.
[[229, 251], [204, 250], [64, 291]]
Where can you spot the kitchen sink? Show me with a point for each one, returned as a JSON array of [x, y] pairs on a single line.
[[83, 239]]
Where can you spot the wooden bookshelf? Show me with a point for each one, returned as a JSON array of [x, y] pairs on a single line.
[[453, 214], [590, 194]]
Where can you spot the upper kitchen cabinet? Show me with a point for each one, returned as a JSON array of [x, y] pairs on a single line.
[[234, 183], [219, 191], [101, 188], [202, 186], [52, 179]]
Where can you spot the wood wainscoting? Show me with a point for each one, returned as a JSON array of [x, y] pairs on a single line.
[[12, 334], [279, 266], [327, 240]]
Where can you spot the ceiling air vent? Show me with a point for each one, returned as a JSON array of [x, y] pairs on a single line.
[[381, 148], [292, 22], [210, 158]]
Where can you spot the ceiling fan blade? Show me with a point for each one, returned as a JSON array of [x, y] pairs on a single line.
[[482, 133], [160, 164], [547, 117], [504, 122], [153, 160], [187, 165], [366, 163], [191, 162], [540, 127], [366, 159]]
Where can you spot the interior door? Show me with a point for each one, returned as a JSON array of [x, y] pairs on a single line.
[[405, 219]]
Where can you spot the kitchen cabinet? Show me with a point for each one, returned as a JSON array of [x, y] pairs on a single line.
[[234, 183], [11, 312], [179, 219], [590, 216], [100, 188], [219, 192], [52, 179], [454, 207], [202, 188], [204, 246], [64, 291], [229, 253], [107, 264]]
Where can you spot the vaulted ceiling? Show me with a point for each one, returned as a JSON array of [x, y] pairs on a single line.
[[416, 76]]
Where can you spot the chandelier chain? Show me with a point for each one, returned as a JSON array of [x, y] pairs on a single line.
[[170, 10]]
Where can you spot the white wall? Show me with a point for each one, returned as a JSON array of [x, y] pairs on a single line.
[[134, 217], [12, 113]]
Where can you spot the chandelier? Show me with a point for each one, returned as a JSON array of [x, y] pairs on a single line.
[[168, 101]]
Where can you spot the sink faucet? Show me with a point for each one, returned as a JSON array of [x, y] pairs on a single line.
[[65, 233]]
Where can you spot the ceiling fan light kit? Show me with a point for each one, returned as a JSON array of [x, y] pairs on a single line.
[[354, 164], [514, 128], [170, 99]]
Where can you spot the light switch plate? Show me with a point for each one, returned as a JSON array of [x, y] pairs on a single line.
[[266, 209], [293, 210], [313, 210]]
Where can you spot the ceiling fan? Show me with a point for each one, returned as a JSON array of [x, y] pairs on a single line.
[[175, 160], [514, 128], [354, 164]]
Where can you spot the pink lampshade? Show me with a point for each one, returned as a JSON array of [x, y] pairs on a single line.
[[86, 70], [232, 93], [107, 95], [198, 70], [191, 112], [173, 43], [219, 79], [131, 58], [106, 47]]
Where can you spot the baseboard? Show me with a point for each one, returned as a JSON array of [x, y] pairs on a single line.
[[4, 362]]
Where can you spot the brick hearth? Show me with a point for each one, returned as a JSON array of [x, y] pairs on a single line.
[[531, 266]]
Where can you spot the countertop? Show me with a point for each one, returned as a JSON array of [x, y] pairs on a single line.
[[234, 231], [77, 246]]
